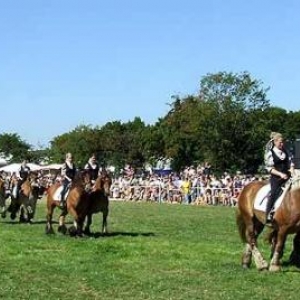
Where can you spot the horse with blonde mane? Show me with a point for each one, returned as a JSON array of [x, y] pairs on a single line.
[[286, 220], [76, 204]]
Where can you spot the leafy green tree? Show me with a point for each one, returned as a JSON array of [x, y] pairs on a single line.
[[11, 145], [235, 101]]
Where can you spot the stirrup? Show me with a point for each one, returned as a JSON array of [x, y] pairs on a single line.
[[62, 204]]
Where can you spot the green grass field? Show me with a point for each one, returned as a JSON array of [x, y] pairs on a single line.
[[154, 251]]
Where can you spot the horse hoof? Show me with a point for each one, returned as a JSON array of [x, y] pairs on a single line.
[[13, 216], [62, 229], [72, 231], [275, 268], [3, 215], [245, 266], [87, 231], [49, 230]]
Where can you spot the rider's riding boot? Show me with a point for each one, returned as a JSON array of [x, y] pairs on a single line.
[[62, 203], [269, 218]]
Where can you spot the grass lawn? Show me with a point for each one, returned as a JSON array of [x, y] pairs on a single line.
[[153, 251]]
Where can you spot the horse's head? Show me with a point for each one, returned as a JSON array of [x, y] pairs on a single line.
[[103, 183], [82, 179]]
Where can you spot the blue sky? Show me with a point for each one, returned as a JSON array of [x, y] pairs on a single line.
[[66, 63]]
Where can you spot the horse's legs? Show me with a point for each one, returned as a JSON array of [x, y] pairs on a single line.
[[247, 257], [104, 221], [31, 207], [14, 207], [23, 215], [50, 210], [253, 229], [62, 228], [78, 222], [295, 255], [87, 229], [2, 205], [278, 250]]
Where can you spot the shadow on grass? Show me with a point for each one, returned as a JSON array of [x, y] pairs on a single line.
[[37, 222], [292, 266], [120, 233]]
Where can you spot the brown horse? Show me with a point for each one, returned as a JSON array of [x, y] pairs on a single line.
[[76, 204], [250, 223], [99, 201], [25, 200]]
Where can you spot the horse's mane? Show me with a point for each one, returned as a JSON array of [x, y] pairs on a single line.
[[79, 176]]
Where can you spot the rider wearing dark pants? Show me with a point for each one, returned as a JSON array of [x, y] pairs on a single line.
[[278, 163], [68, 173]]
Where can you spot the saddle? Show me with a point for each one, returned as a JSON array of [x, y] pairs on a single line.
[[57, 193], [262, 196]]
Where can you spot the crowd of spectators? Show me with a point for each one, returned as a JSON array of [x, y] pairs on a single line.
[[194, 185]]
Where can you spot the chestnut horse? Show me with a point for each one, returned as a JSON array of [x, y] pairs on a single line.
[[251, 222], [76, 204], [99, 201]]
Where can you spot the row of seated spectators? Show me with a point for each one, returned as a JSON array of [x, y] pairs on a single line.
[[191, 186]]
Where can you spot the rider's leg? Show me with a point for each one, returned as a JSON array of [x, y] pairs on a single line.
[[63, 193], [275, 186]]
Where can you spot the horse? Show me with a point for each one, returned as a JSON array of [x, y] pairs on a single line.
[[99, 201], [3, 196], [25, 200], [76, 204], [286, 220]]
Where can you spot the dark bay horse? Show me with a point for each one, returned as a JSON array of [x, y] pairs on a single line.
[[286, 221], [3, 197], [76, 204], [99, 201]]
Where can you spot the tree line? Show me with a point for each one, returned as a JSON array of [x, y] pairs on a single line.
[[227, 123]]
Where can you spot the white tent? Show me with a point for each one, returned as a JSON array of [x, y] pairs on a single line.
[[16, 166], [51, 167]]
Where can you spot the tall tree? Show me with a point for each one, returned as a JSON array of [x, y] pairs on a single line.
[[13, 147]]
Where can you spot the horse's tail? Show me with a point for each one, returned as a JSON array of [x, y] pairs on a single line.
[[241, 225]]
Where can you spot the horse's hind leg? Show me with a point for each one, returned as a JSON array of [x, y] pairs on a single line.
[[87, 229], [295, 255], [104, 222], [275, 265], [247, 257], [77, 229], [253, 229], [62, 228]]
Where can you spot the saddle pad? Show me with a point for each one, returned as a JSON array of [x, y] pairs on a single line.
[[57, 193], [261, 199]]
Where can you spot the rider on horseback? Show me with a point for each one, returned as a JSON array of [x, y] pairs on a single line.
[[24, 172], [68, 172], [93, 168], [278, 163]]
